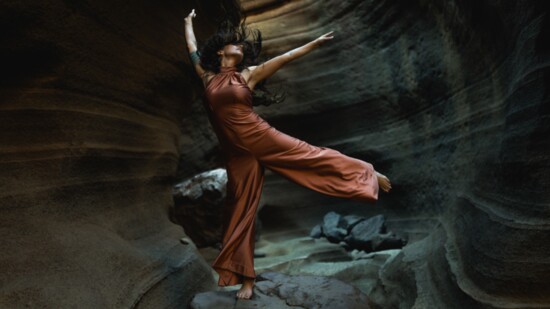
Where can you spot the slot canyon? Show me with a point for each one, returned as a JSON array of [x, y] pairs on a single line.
[[101, 115]]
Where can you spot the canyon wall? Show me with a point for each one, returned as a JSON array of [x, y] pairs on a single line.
[[92, 99], [450, 100], [100, 115]]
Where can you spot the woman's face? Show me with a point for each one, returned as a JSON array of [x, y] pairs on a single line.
[[234, 50]]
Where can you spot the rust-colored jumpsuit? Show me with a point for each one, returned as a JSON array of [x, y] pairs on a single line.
[[249, 144]]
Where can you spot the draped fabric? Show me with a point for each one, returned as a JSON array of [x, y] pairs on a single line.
[[250, 145]]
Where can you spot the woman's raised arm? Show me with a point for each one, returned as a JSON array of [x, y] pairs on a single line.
[[271, 66], [192, 43]]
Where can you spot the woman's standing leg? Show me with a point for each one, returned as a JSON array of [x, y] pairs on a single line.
[[235, 263]]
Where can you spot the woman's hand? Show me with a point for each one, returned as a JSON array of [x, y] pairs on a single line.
[[325, 37], [189, 18]]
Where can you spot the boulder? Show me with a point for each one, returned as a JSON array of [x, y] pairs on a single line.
[[198, 206], [333, 228]]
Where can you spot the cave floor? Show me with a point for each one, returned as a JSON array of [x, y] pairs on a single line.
[[292, 252], [288, 249]]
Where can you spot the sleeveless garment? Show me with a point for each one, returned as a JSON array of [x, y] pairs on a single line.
[[249, 145]]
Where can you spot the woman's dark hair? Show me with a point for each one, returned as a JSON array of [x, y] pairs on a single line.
[[227, 34], [232, 29]]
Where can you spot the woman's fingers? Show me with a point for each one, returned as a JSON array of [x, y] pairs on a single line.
[[326, 34], [324, 37]]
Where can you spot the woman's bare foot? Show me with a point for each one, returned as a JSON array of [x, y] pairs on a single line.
[[383, 182], [246, 289]]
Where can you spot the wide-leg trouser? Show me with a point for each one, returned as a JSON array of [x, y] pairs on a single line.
[[244, 186], [251, 145], [322, 169]]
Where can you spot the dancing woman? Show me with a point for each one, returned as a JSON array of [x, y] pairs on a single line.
[[250, 145]]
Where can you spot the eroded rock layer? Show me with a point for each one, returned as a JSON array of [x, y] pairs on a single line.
[[99, 107], [91, 101], [450, 100]]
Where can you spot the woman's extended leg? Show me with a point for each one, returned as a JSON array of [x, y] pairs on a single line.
[[322, 169], [319, 168]]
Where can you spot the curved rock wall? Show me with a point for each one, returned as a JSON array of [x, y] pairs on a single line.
[[98, 104], [91, 102], [450, 100]]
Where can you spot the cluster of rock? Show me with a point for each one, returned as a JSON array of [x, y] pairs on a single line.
[[275, 290], [199, 207], [198, 203], [356, 232]]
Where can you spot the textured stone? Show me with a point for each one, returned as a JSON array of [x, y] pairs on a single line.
[[92, 96], [332, 228], [450, 100], [364, 235], [316, 231], [198, 206], [349, 221], [275, 290]]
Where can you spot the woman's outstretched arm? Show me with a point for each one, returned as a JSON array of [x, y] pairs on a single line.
[[192, 43], [271, 66]]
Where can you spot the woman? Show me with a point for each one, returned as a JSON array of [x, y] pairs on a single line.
[[250, 144]]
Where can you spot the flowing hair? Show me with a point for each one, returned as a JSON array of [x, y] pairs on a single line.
[[232, 29]]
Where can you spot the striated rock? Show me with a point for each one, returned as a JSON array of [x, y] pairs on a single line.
[[92, 100], [274, 290], [450, 100], [100, 110]]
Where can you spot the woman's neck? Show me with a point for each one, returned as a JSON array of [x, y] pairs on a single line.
[[228, 62]]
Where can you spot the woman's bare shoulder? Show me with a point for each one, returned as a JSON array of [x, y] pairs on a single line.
[[250, 68], [247, 71]]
